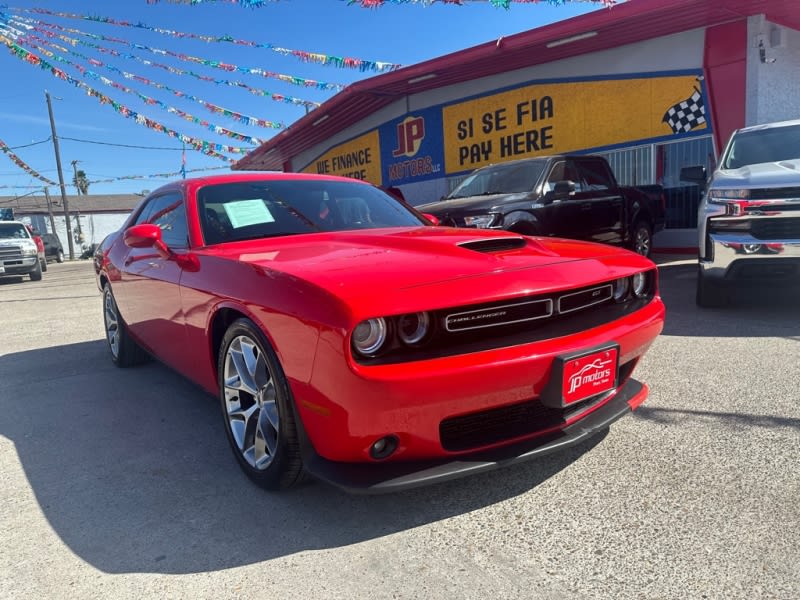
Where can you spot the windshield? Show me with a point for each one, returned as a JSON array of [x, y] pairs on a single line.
[[763, 146], [511, 178], [13, 231], [231, 212]]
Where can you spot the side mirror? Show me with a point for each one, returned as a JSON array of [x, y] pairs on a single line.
[[563, 190], [144, 235], [432, 219], [696, 175]]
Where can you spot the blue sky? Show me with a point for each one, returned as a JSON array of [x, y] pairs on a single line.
[[404, 34]]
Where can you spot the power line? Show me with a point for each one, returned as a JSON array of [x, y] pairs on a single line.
[[120, 145], [29, 145]]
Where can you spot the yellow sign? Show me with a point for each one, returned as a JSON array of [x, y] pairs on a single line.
[[360, 158], [553, 118]]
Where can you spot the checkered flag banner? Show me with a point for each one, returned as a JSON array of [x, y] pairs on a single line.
[[686, 114]]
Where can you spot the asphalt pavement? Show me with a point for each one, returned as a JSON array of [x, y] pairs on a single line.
[[119, 482]]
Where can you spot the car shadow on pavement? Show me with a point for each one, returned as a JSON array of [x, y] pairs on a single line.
[[132, 470], [765, 311]]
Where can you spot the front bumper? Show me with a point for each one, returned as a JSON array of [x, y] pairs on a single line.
[[445, 408], [751, 246], [375, 478], [18, 266]]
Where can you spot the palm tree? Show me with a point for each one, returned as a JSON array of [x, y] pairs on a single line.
[[81, 182]]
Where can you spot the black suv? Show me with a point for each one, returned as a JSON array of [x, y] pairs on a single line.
[[52, 247]]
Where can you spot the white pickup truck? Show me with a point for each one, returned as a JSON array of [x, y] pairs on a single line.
[[19, 254], [749, 218]]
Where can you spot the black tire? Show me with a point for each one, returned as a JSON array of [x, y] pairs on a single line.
[[43, 262], [36, 274], [710, 294], [642, 239], [60, 256], [125, 352], [269, 428]]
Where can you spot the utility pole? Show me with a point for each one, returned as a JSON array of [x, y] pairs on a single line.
[[60, 177], [74, 164], [50, 210]]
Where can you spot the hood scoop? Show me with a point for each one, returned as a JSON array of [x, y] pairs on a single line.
[[488, 246]]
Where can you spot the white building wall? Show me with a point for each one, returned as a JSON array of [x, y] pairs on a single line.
[[93, 227], [773, 86]]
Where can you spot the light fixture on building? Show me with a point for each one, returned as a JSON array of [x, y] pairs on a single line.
[[422, 78], [572, 38]]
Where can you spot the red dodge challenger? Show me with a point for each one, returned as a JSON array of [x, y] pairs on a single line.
[[349, 338]]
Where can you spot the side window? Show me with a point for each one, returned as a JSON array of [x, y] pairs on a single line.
[[596, 175], [169, 213], [146, 211]]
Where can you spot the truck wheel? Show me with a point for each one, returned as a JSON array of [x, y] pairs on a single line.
[[36, 275], [60, 256], [43, 262], [642, 242], [710, 294]]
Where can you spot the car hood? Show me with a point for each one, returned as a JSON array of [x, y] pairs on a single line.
[[475, 204], [435, 267], [763, 175]]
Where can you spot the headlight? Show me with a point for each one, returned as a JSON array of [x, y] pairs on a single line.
[[29, 250], [369, 336], [639, 283], [725, 196], [412, 329], [621, 287], [480, 221]]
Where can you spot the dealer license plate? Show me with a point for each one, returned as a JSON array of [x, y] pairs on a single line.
[[589, 375]]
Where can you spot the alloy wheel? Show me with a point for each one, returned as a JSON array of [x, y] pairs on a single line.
[[251, 402], [112, 323], [642, 242]]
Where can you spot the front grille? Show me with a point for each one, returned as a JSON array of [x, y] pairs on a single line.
[[477, 328], [786, 193], [13, 252], [484, 428], [584, 298], [775, 229]]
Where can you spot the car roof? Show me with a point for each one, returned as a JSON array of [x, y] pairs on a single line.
[[773, 125]]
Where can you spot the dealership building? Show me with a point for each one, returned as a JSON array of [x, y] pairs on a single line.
[[652, 85]]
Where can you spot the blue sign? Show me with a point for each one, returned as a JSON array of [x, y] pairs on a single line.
[[412, 148]]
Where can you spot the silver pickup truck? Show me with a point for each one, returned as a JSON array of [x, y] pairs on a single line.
[[749, 218]]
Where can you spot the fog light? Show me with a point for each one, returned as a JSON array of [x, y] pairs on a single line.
[[383, 447]]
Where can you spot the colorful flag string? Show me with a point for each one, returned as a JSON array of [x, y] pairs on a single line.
[[236, 116], [315, 57], [23, 165], [215, 64], [176, 71], [146, 99], [246, 3], [506, 4], [155, 175], [204, 146]]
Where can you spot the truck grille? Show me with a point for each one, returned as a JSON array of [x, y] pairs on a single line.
[[775, 229], [775, 193], [10, 252]]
